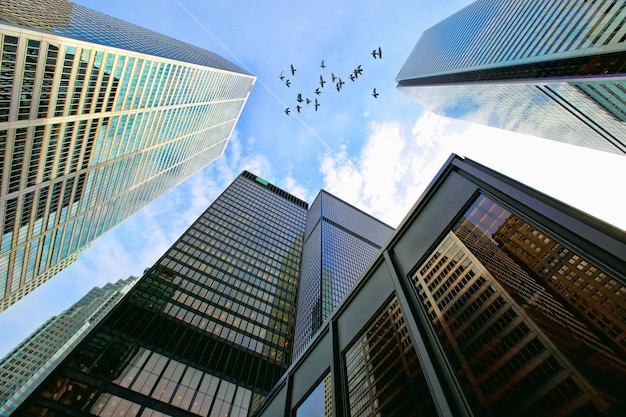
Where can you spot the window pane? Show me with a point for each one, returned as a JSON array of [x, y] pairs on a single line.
[[530, 327], [384, 375], [319, 402]]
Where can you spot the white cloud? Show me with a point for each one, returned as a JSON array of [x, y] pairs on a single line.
[[291, 186], [391, 170], [398, 161]]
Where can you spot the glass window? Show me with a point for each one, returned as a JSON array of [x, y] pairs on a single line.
[[524, 322], [319, 401], [384, 376]]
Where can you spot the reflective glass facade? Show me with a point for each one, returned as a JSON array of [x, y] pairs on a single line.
[[545, 68], [207, 330], [98, 117], [22, 369], [530, 327], [383, 374], [339, 243], [490, 299]]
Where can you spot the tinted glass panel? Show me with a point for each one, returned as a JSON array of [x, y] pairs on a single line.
[[383, 373], [319, 402], [530, 327]]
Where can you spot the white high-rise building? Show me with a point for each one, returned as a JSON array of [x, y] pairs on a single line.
[[98, 117]]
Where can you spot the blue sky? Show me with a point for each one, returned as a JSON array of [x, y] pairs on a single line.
[[377, 154]]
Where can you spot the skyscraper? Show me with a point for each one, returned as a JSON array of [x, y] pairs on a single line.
[[339, 243], [544, 68], [98, 117], [207, 330], [489, 299], [29, 363]]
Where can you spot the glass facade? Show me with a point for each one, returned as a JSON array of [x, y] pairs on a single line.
[[319, 401], [530, 326], [490, 299], [544, 68], [22, 369], [383, 374], [207, 330], [340, 242], [98, 117]]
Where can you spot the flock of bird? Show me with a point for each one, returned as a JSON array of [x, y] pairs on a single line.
[[334, 79]]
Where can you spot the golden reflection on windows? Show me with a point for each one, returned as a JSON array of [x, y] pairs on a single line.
[[384, 376], [518, 333], [175, 383]]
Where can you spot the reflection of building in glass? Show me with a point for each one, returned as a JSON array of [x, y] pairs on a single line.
[[447, 315], [599, 298], [24, 367], [98, 117], [382, 370], [207, 330], [319, 402], [339, 243], [541, 68], [508, 337]]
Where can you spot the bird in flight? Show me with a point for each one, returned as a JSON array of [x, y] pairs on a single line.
[[317, 91], [340, 84], [299, 99], [316, 104], [281, 76], [352, 77], [323, 66], [293, 70], [287, 83], [322, 82], [375, 94], [358, 71], [377, 53], [332, 77], [308, 100], [298, 107], [287, 110]]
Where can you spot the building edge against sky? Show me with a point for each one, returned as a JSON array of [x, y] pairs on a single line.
[[489, 298], [340, 241], [98, 117], [534, 67], [22, 369]]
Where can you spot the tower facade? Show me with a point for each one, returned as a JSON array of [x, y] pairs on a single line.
[[489, 299], [339, 243], [542, 68], [207, 330], [29, 363], [98, 117]]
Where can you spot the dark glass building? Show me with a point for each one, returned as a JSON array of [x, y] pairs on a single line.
[[340, 241], [489, 299], [29, 363], [546, 68], [206, 331]]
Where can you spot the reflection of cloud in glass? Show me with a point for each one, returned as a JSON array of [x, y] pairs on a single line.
[[530, 109]]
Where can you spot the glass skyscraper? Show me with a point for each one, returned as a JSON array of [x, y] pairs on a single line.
[[98, 117], [207, 330], [339, 243], [22, 369], [546, 68], [490, 299]]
